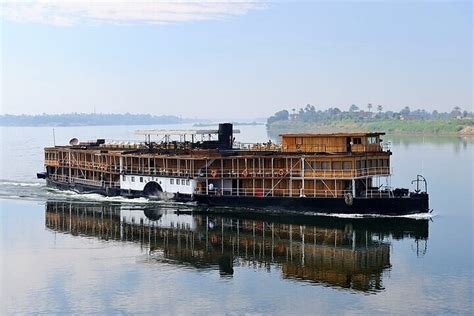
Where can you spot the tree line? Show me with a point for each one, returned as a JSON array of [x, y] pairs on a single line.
[[310, 113]]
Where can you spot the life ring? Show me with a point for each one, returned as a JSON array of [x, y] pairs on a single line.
[[214, 173], [245, 173], [348, 199], [281, 172]]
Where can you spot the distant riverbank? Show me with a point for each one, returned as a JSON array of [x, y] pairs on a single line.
[[89, 119], [457, 122], [391, 126], [401, 127]]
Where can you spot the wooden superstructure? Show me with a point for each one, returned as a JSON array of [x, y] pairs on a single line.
[[332, 143], [304, 165]]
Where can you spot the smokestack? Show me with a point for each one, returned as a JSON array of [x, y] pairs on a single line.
[[225, 135]]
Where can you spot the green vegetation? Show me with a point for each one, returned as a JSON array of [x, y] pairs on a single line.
[[418, 122]]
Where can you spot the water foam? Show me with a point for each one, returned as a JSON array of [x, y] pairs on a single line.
[[94, 197], [21, 184], [418, 216], [55, 193]]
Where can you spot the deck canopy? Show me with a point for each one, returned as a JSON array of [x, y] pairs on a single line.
[[225, 136], [182, 132]]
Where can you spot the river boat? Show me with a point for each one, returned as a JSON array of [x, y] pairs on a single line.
[[324, 173]]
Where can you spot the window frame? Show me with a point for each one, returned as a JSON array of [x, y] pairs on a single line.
[[372, 140]]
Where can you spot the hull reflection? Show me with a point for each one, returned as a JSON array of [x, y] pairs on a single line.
[[338, 252]]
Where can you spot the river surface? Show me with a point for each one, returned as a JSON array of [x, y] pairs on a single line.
[[62, 252]]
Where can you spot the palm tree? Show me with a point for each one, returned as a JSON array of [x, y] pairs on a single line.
[[369, 106], [456, 111], [405, 111], [380, 108], [353, 108]]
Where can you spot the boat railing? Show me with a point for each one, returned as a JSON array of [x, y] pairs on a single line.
[[268, 192], [52, 162], [377, 193], [97, 183], [270, 146], [217, 173], [92, 165]]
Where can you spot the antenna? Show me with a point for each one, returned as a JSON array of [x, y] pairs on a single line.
[[54, 138]]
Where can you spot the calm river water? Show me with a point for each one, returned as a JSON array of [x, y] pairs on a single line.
[[62, 252]]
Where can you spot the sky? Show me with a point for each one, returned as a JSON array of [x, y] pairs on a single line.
[[233, 59]]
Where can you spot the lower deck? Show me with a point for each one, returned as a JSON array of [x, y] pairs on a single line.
[[249, 186], [385, 205]]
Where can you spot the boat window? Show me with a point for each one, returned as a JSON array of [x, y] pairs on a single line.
[[372, 140], [380, 163], [363, 164], [133, 179], [347, 165], [325, 165], [357, 140], [124, 177], [171, 181], [141, 179], [187, 182], [385, 162], [336, 165]]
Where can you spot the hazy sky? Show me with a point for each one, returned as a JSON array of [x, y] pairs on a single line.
[[234, 59]]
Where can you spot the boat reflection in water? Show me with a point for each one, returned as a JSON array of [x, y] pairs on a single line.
[[350, 253]]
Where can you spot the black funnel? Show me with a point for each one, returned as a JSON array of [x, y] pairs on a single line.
[[225, 135]]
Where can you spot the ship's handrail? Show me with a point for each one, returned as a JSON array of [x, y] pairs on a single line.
[[233, 173], [323, 148], [258, 146], [269, 146], [217, 173], [97, 183], [264, 146], [268, 192]]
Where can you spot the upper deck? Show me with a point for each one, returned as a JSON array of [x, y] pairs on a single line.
[[332, 143]]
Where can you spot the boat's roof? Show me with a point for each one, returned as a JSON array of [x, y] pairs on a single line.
[[342, 134], [182, 132]]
